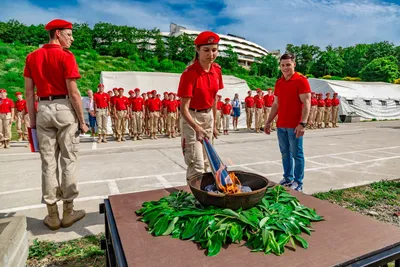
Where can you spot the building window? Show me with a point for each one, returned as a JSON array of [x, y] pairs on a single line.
[[351, 102], [383, 102], [397, 102], [368, 102]]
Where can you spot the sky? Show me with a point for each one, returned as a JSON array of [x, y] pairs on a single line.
[[269, 23]]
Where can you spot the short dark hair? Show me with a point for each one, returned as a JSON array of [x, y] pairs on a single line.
[[288, 56], [52, 33]]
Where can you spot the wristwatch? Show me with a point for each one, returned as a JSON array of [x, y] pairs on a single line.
[[304, 124]]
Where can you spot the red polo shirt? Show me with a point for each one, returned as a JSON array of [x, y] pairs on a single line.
[[49, 67], [171, 105], [154, 104], [101, 100], [258, 101], [137, 104], [314, 101], [290, 105], [226, 109], [268, 100], [249, 100], [112, 100], [20, 105], [164, 102], [321, 103], [121, 103], [201, 86], [219, 105], [335, 102], [6, 105], [328, 102]]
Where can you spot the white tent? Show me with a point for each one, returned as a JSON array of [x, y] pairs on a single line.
[[169, 82], [369, 100]]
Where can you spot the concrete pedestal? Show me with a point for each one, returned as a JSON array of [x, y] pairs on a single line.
[[13, 242]]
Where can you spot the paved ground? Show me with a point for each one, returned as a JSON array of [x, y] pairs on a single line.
[[353, 154]]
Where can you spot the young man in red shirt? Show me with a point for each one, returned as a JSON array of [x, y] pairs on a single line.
[[52, 69], [137, 107], [171, 106], [6, 118], [102, 112], [121, 110], [258, 111], [154, 107], [335, 110], [21, 116], [226, 112], [249, 106], [328, 110], [268, 101], [313, 112], [292, 104]]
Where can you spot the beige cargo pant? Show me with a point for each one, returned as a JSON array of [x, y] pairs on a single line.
[[121, 122], [226, 122], [153, 121], [57, 131], [101, 119], [171, 122], [249, 117], [267, 111], [311, 117], [193, 151], [137, 122], [320, 115], [258, 113], [5, 127], [335, 111], [328, 114], [218, 120]]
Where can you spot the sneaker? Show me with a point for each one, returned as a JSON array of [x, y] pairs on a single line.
[[285, 182], [296, 186]]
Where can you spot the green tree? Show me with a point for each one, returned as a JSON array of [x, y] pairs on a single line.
[[355, 59], [328, 62], [160, 50], [82, 36], [269, 66], [254, 69], [228, 59], [383, 69], [186, 49], [305, 54], [381, 49]]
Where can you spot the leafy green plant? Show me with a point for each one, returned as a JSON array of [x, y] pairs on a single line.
[[41, 249], [277, 220]]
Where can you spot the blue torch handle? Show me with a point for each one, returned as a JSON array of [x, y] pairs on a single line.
[[215, 162]]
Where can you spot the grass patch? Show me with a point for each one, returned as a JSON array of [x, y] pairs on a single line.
[[79, 252], [364, 197]]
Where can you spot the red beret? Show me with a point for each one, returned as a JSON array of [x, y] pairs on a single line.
[[130, 92], [171, 93], [120, 89], [158, 95], [109, 91], [100, 85], [58, 24], [328, 93], [269, 89], [154, 92], [335, 93], [3, 91], [206, 38], [249, 91], [227, 99], [219, 95], [259, 90], [166, 93], [137, 90], [313, 93], [115, 88], [18, 93]]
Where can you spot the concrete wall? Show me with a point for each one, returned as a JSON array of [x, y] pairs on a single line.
[[13, 242]]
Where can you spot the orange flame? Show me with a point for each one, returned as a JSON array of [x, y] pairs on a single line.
[[233, 184]]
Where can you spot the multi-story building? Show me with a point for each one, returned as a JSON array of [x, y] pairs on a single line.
[[247, 51]]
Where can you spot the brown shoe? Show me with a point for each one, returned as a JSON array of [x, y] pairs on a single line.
[[139, 138], [104, 139], [7, 144], [99, 139], [154, 135], [70, 216], [52, 220], [123, 138]]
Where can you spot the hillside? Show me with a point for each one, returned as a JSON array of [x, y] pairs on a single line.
[[12, 61]]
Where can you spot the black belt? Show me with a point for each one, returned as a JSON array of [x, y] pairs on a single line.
[[53, 97], [101, 108], [201, 110]]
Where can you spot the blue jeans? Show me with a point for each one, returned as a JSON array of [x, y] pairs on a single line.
[[292, 155]]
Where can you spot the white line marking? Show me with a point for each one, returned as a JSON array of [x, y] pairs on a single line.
[[83, 199], [251, 170], [390, 153], [343, 159], [94, 145], [315, 162], [163, 181], [20, 191], [114, 190], [369, 156]]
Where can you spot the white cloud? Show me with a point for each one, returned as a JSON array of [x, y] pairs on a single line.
[[275, 23], [270, 23]]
